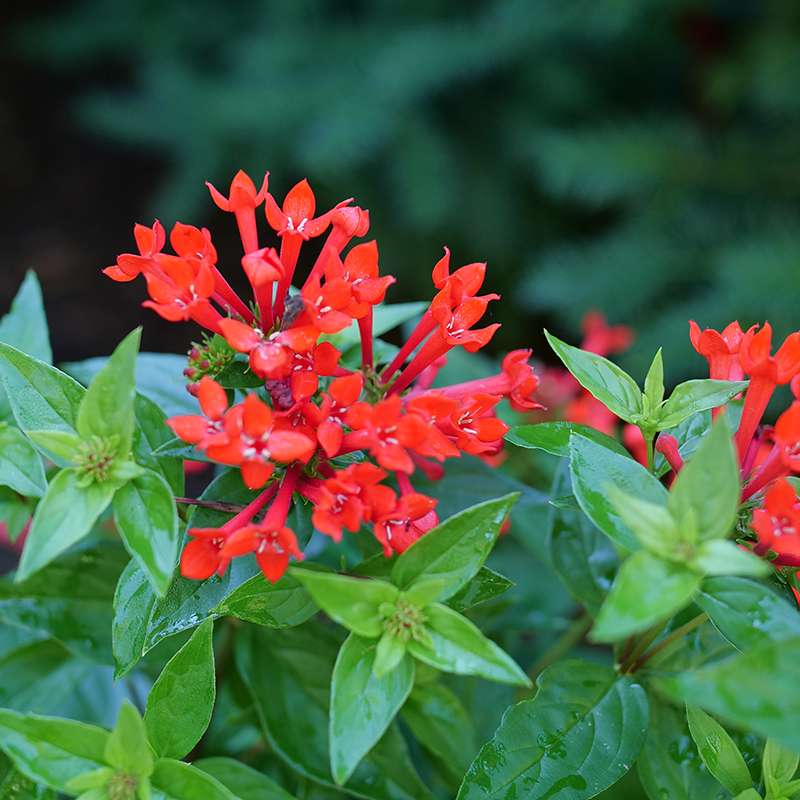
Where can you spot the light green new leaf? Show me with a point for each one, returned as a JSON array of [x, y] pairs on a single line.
[[646, 590], [244, 782], [181, 701], [50, 750], [64, 516], [147, 520], [593, 469], [654, 526], [452, 553], [21, 466], [107, 407], [61, 444], [363, 705], [127, 748], [654, 385], [175, 780], [723, 557], [778, 767], [25, 325], [455, 645], [352, 602], [577, 736], [718, 751], [708, 487], [553, 437], [610, 384], [694, 396]]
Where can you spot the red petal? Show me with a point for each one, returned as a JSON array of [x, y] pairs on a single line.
[[346, 390], [300, 203], [256, 473], [286, 446], [273, 565], [199, 560], [257, 419], [362, 261], [212, 398]]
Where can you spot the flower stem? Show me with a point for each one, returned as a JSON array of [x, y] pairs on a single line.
[[571, 637]]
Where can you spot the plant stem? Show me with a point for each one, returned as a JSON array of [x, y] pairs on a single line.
[[228, 508], [673, 638], [640, 644], [571, 636]]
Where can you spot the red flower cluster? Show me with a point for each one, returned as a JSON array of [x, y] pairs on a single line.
[[313, 412]]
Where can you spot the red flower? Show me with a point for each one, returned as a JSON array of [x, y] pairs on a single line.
[[272, 547], [296, 218], [588, 410], [721, 350], [198, 430], [328, 418], [604, 339], [777, 524], [399, 527], [360, 271], [262, 267], [465, 282], [202, 556], [787, 436], [150, 242]]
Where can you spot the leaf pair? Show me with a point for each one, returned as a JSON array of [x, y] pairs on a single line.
[[394, 623]]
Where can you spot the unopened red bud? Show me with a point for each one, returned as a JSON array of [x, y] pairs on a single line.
[[205, 364], [190, 372], [194, 354], [192, 389]]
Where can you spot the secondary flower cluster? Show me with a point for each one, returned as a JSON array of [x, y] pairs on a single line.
[[767, 455], [332, 434]]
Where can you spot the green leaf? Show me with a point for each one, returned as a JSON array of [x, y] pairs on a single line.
[[576, 737], [151, 433], [748, 613], [133, 603], [748, 794], [756, 690], [20, 465], [707, 489], [145, 515], [61, 444], [352, 602], [654, 385], [723, 557], [25, 325], [647, 589], [610, 384], [389, 652], [181, 701], [49, 750], [486, 585], [15, 511], [669, 765], [454, 644], [453, 552], [718, 751], [107, 407], [127, 747], [583, 557], [244, 782], [41, 397], [593, 469], [553, 437], [652, 523], [64, 516], [16, 786], [362, 704], [692, 397], [174, 780], [70, 600], [778, 767], [292, 700], [442, 725]]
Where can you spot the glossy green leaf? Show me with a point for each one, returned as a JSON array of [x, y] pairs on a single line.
[[362, 704], [181, 701], [147, 521], [49, 750], [778, 767], [553, 437], [669, 766], [453, 552], [748, 794], [610, 384], [652, 523], [275, 605], [456, 645], [583, 557], [14, 785], [486, 585], [593, 469], [151, 433], [654, 385], [41, 397], [708, 487], [244, 782], [723, 557], [21, 466], [70, 600], [127, 748], [693, 397], [442, 725], [718, 751], [15, 511], [25, 324], [352, 602], [64, 516], [748, 613], [133, 603], [756, 689], [577, 736], [107, 407], [175, 780], [295, 689], [647, 589]]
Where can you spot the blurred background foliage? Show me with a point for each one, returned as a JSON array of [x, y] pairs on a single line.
[[636, 156]]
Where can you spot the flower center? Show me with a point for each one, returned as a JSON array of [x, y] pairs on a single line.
[[403, 620]]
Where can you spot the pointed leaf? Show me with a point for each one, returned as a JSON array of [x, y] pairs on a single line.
[[778, 766], [181, 701], [244, 782], [692, 397], [576, 737], [553, 437], [174, 780], [127, 748], [454, 551], [21, 466], [25, 325], [723, 557], [362, 704], [654, 385], [133, 603]]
